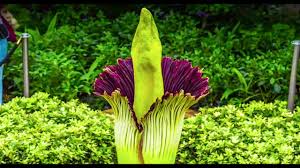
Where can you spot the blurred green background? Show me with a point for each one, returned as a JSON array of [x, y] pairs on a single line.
[[245, 49]]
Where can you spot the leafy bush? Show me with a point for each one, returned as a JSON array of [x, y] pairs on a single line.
[[253, 133], [263, 61], [73, 43], [211, 9], [46, 130], [58, 60]]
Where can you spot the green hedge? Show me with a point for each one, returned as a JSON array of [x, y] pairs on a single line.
[[46, 130], [250, 134], [41, 129]]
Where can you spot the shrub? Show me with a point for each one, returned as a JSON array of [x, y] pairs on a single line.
[[252, 133], [261, 53], [58, 60], [46, 130], [263, 57]]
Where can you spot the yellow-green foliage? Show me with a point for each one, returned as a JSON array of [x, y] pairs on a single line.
[[251, 134], [46, 130]]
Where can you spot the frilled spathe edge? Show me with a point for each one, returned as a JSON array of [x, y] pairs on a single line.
[[177, 75]]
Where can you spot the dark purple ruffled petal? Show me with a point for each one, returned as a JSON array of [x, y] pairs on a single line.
[[180, 75], [117, 77], [177, 75]]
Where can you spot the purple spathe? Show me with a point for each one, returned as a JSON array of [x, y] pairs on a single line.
[[177, 75]]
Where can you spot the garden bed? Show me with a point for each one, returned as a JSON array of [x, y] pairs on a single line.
[[47, 130]]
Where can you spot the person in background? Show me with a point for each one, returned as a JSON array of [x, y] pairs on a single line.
[[7, 25]]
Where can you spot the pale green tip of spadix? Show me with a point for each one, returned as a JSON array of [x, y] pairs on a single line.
[[146, 55]]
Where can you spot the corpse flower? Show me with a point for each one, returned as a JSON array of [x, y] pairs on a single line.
[[149, 96]]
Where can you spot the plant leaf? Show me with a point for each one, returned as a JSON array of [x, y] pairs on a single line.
[[52, 24], [235, 27], [241, 77], [228, 92], [92, 68]]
